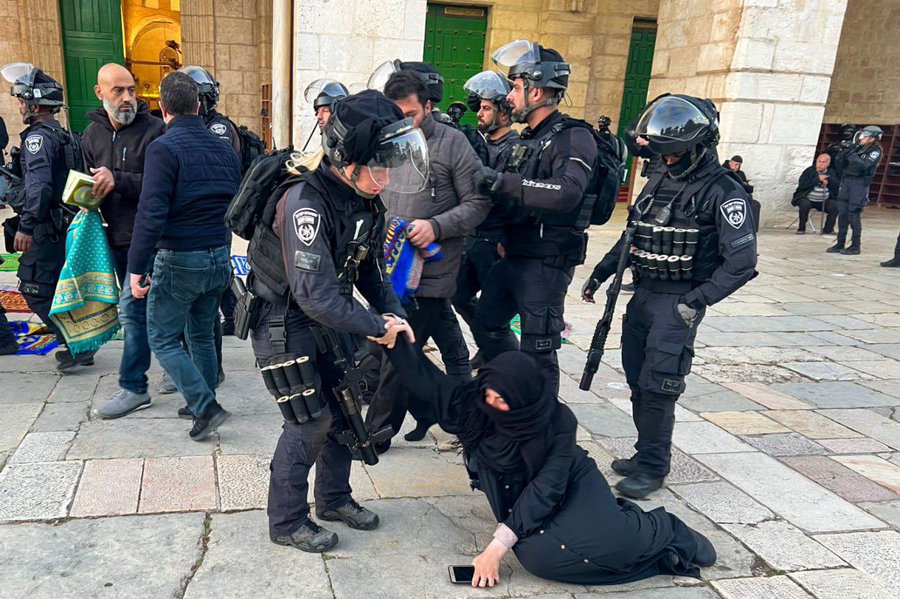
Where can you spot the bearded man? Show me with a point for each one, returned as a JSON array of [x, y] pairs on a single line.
[[113, 145]]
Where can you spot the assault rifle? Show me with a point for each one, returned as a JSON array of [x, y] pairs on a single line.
[[601, 332], [348, 394]]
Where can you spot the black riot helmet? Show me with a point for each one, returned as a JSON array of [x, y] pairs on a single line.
[[490, 86], [848, 130], [325, 92], [33, 86], [369, 131], [429, 75], [539, 66], [679, 123], [207, 85]]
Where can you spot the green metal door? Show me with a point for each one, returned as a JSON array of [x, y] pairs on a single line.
[[92, 36], [454, 44], [637, 77]]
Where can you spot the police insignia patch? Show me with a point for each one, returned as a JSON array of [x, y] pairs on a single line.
[[306, 224], [874, 154], [218, 129], [735, 212], [33, 143]]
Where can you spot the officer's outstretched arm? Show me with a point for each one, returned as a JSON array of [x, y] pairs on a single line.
[[737, 250], [312, 274], [37, 152], [573, 154]]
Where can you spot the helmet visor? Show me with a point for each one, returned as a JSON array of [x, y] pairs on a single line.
[[379, 77], [328, 87], [516, 52], [400, 163], [862, 136], [200, 75], [488, 85], [672, 119], [18, 72]]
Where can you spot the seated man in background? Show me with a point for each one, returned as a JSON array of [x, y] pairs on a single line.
[[817, 189]]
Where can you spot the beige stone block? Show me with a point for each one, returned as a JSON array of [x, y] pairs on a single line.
[[744, 423], [309, 17], [223, 56], [764, 86], [815, 89], [307, 49], [812, 425], [768, 397], [796, 125], [756, 54], [580, 47], [874, 468], [383, 19], [234, 30], [243, 57], [414, 22], [108, 487], [714, 58], [794, 57], [178, 484], [230, 8], [660, 63], [725, 26], [740, 121], [230, 82]]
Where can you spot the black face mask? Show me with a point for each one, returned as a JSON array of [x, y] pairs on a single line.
[[682, 165]]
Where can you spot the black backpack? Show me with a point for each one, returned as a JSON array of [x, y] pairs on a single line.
[[251, 147], [266, 175]]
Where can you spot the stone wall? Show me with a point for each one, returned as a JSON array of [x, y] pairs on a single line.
[[229, 37], [346, 40], [768, 65], [865, 87], [31, 33]]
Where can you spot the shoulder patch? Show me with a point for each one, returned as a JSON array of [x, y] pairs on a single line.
[[306, 224], [307, 261], [217, 128], [734, 211], [33, 143], [742, 241], [874, 154]]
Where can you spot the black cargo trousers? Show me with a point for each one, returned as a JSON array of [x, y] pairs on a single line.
[[657, 354]]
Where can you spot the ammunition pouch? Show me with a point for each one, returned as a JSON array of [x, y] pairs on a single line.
[[292, 380]]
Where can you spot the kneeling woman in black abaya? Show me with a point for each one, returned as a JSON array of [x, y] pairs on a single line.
[[554, 507]]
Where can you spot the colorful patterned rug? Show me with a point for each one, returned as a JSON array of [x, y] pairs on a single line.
[[10, 262], [31, 343], [516, 325], [12, 300]]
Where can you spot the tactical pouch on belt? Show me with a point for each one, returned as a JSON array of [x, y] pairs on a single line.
[[292, 381], [247, 309]]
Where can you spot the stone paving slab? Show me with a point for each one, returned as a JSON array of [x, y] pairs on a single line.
[[838, 395], [825, 371], [869, 424], [776, 587], [43, 447], [667, 593], [891, 350], [766, 396], [705, 437], [811, 424], [788, 444], [124, 557], [844, 583], [851, 446], [26, 387], [839, 479], [883, 369], [182, 484], [845, 354], [684, 469], [874, 468], [109, 488], [404, 472], [37, 491], [874, 553], [889, 511], [251, 434], [737, 373], [722, 503], [243, 481], [604, 419], [889, 387], [76, 387], [724, 400], [16, 419], [847, 322], [783, 546], [789, 494], [138, 438], [878, 335], [744, 423], [241, 561], [61, 417]]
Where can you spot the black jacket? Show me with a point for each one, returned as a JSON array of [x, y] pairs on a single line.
[[122, 152], [44, 172], [809, 179], [191, 177]]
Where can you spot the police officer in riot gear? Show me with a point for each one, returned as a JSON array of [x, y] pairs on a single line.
[[433, 81], [322, 94], [327, 228], [487, 99], [858, 162], [695, 245], [216, 122], [834, 149], [46, 155], [546, 186]]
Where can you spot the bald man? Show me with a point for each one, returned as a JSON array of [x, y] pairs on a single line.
[[113, 145]]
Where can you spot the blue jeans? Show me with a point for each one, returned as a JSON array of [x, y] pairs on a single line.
[[185, 295], [133, 318]]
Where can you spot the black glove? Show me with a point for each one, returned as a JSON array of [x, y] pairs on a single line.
[[487, 180], [687, 314], [591, 286]]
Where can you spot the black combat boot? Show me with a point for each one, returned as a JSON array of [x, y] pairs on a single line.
[[892, 263], [214, 417], [67, 361], [836, 248], [853, 250], [624, 466], [639, 485], [310, 537], [352, 514], [706, 553]]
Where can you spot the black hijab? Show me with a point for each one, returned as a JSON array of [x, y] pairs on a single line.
[[517, 440]]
